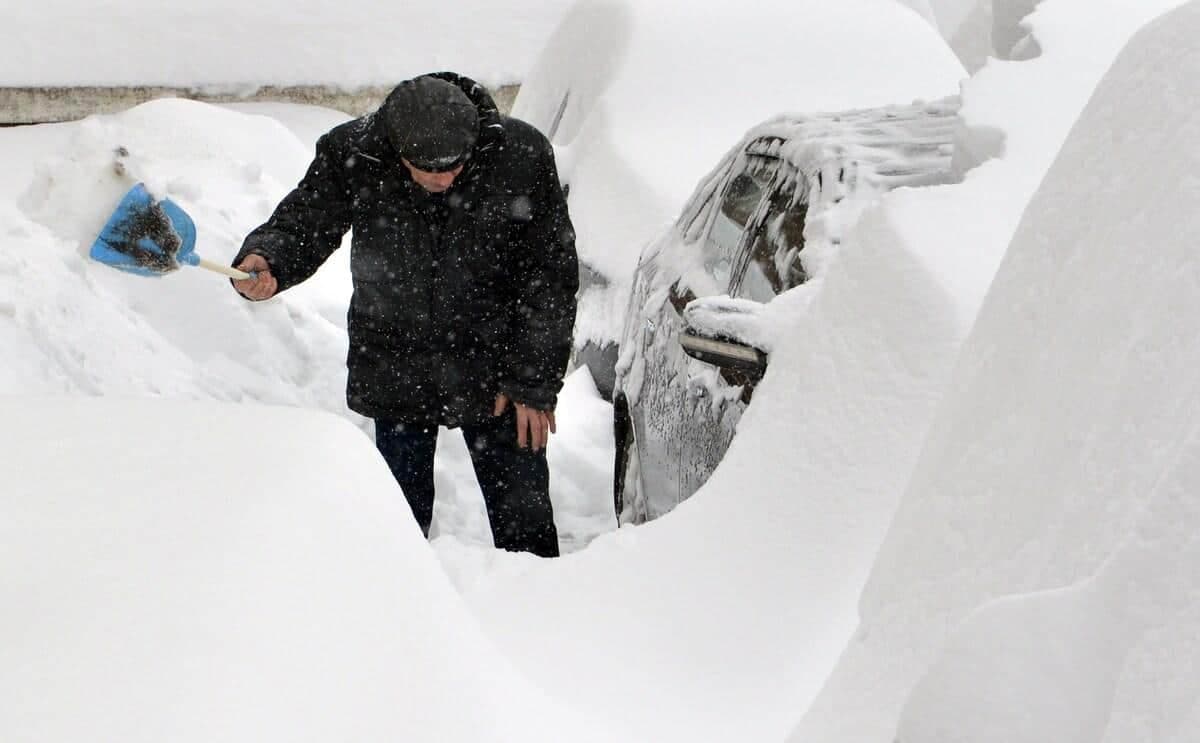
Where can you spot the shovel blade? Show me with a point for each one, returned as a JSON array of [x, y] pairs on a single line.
[[144, 236]]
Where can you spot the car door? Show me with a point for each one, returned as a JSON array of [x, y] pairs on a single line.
[[766, 263], [698, 399], [665, 284]]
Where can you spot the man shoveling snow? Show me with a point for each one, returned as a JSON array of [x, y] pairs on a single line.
[[465, 274]]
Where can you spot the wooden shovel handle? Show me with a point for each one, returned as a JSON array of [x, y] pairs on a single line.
[[223, 269]]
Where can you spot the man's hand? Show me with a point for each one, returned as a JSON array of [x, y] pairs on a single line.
[[533, 426], [263, 285]]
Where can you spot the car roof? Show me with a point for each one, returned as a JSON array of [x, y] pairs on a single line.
[[846, 154]]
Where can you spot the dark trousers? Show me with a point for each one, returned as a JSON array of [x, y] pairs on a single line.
[[515, 482]]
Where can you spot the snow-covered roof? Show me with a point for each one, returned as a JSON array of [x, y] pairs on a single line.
[[848, 155]]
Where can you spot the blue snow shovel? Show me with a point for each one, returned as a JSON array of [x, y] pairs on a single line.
[[151, 238]]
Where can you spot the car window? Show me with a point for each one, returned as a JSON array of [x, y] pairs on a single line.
[[738, 203], [773, 261]]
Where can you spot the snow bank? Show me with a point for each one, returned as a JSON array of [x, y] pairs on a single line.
[[1010, 31], [191, 572], [1039, 581], [79, 327], [967, 27], [922, 8], [307, 122], [644, 98], [716, 621], [231, 45], [709, 623], [1016, 116]]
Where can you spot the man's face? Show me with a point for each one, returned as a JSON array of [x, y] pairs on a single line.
[[432, 182]]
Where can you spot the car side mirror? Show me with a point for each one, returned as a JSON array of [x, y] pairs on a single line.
[[725, 332], [731, 355]]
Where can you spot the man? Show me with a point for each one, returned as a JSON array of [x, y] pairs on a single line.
[[463, 258]]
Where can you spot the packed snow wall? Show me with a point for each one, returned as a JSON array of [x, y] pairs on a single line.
[[1039, 581]]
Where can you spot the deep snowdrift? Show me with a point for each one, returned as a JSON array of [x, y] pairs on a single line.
[[741, 600], [1040, 578], [1016, 117], [191, 572], [710, 623]]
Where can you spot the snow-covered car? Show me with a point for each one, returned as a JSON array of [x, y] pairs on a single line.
[[640, 99], [698, 331]]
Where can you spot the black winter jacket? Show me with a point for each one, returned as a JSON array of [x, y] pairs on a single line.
[[458, 296]]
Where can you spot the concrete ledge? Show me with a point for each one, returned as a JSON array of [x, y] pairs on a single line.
[[35, 105]]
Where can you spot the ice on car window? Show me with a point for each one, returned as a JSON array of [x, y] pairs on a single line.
[[738, 203], [773, 264]]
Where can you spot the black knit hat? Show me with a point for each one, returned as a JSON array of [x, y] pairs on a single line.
[[431, 123]]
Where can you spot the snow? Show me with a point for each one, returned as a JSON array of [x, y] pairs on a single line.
[[1003, 150], [82, 328], [717, 644], [803, 498], [191, 572], [308, 123], [1009, 27], [1038, 582], [967, 26], [907, 540], [657, 92], [710, 624], [233, 46], [922, 8]]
